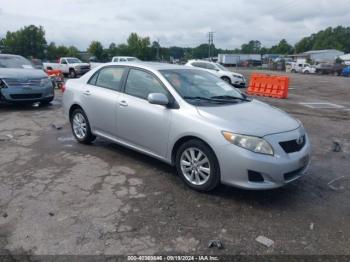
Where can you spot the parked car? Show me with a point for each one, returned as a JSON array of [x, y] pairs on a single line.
[[118, 59], [21, 83], [70, 66], [235, 79], [191, 119], [297, 67], [330, 69], [309, 70], [346, 71]]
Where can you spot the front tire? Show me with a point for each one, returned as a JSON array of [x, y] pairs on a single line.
[[226, 79], [81, 127], [198, 166]]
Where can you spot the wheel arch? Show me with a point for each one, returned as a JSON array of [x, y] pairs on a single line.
[[183, 140], [74, 107]]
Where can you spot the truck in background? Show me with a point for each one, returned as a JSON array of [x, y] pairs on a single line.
[[116, 59], [70, 66]]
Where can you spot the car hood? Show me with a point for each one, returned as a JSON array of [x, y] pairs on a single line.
[[19, 73], [254, 118]]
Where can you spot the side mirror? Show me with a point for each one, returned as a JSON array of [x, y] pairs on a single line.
[[158, 99]]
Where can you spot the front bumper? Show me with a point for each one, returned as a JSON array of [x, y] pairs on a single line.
[[26, 94], [238, 82], [277, 170], [240, 85]]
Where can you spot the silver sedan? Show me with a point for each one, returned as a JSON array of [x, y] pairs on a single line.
[[189, 118]]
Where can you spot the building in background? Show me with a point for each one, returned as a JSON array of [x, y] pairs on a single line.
[[319, 56], [240, 59], [345, 58]]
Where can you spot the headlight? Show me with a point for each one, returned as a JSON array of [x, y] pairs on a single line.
[[237, 76], [252, 143], [45, 82]]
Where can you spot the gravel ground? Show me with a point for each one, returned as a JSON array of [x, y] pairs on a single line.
[[60, 197]]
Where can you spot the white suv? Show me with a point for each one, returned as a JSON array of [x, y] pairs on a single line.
[[235, 79]]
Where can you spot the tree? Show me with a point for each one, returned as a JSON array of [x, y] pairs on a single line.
[[139, 46], [28, 41], [282, 48], [96, 49], [253, 47], [330, 38], [73, 51]]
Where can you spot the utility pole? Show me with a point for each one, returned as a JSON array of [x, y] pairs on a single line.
[[210, 43]]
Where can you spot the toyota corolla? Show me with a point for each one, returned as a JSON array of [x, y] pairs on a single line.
[[192, 120]]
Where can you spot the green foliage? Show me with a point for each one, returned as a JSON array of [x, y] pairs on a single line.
[[28, 41], [282, 48], [330, 38], [139, 46], [96, 49], [253, 47]]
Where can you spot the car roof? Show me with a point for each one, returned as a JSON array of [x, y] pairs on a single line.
[[152, 65], [202, 61], [9, 55]]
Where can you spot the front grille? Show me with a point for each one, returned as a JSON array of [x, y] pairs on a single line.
[[26, 96], [293, 145], [22, 82], [291, 175]]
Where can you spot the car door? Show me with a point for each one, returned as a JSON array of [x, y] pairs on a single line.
[[63, 66], [139, 123], [100, 99]]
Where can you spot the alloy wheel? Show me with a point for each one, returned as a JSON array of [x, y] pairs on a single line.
[[79, 126], [195, 166]]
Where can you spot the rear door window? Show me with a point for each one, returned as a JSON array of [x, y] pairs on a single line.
[[110, 78]]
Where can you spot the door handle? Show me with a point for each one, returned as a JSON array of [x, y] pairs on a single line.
[[123, 103], [87, 93]]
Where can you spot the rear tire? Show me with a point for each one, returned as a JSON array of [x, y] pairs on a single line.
[[81, 127], [72, 73], [197, 165]]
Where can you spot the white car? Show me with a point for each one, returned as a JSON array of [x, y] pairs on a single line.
[[309, 70], [118, 59], [69, 66], [235, 79]]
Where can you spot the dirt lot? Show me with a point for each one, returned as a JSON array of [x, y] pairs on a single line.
[[60, 197]]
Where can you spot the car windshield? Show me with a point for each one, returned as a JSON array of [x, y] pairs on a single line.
[[221, 67], [198, 87], [73, 61], [14, 62]]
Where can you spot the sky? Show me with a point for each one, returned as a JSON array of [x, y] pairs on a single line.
[[174, 22]]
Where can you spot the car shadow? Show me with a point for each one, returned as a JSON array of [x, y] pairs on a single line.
[[274, 199], [7, 107]]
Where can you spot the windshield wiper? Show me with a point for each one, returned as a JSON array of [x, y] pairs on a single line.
[[231, 98], [212, 99]]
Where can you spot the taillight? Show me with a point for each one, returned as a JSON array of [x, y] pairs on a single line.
[[63, 87]]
